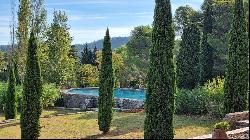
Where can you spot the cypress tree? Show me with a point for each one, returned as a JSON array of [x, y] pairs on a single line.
[[159, 105], [94, 56], [236, 82], [188, 58], [32, 92], [206, 62], [106, 85], [11, 104], [18, 80]]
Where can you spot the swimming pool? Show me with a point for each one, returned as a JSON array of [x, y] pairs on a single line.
[[118, 93]]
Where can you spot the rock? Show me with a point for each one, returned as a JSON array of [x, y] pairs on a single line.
[[233, 118], [12, 120], [83, 106], [59, 107], [79, 112], [60, 114], [71, 113]]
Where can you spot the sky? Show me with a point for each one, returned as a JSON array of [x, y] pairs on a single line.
[[88, 19]]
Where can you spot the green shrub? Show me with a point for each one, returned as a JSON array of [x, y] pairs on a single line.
[[3, 88], [224, 125], [207, 99], [87, 76], [50, 94], [191, 102], [215, 91]]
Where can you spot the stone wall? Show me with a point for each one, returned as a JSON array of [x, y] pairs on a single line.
[[235, 119], [88, 101], [239, 126]]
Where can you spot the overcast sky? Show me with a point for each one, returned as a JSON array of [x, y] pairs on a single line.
[[88, 19]]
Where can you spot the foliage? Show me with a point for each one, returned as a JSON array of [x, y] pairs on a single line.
[[89, 57], [24, 17], [206, 62], [3, 90], [138, 53], [73, 53], [10, 109], [161, 88], [50, 94], [205, 100], [117, 64], [237, 76], [191, 102], [59, 67], [31, 13], [224, 125], [185, 16], [106, 85], [3, 66], [32, 92], [222, 18], [87, 76], [188, 58]]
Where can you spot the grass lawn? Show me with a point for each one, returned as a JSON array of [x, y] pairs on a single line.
[[124, 125]]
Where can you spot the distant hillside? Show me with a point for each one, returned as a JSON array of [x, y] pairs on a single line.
[[4, 48], [115, 41]]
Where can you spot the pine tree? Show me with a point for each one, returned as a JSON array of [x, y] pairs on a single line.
[[84, 59], [32, 92], [106, 85], [206, 62], [159, 105], [90, 56], [188, 58], [73, 52], [237, 81], [11, 104]]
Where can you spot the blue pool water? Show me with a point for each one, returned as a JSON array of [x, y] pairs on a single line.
[[118, 93]]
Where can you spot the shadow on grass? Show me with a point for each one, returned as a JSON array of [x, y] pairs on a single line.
[[53, 111], [9, 125], [123, 123]]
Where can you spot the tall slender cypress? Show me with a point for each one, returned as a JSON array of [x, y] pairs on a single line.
[[206, 62], [159, 105], [94, 57], [11, 104], [188, 58], [32, 92], [237, 81], [106, 85]]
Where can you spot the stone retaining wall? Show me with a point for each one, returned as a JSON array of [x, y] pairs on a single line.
[[88, 101]]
